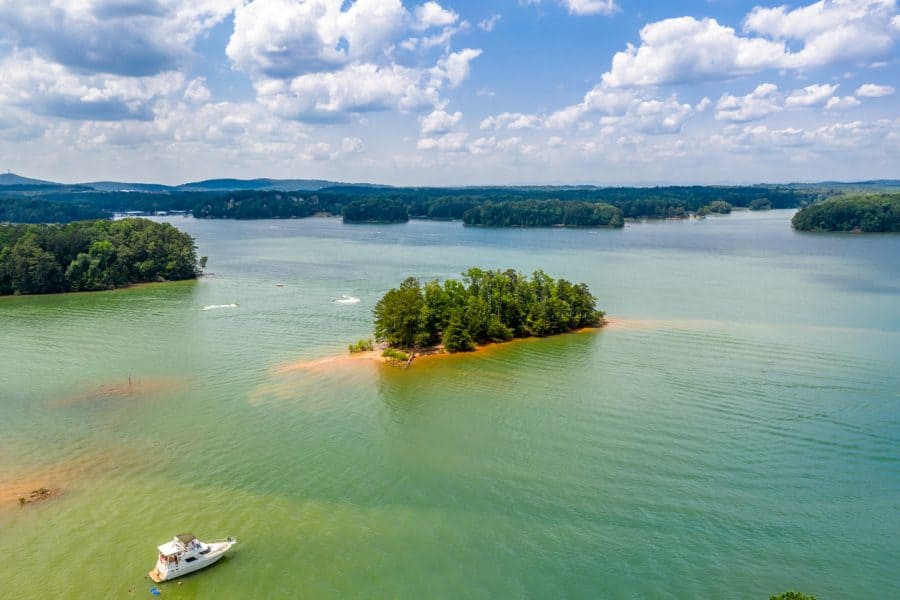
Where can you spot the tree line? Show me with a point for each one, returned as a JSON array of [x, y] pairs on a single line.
[[388, 204], [486, 306], [866, 213], [93, 255]]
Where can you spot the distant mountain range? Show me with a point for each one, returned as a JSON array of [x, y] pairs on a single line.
[[208, 185], [12, 181]]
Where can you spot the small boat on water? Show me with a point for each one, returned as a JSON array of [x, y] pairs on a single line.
[[186, 554]]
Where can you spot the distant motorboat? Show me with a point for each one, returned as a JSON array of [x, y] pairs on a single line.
[[216, 306], [345, 299], [279, 285], [186, 554]]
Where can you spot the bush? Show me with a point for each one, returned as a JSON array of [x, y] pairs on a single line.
[[394, 354], [361, 346], [790, 595]]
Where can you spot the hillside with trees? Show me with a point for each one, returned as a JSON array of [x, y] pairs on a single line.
[[544, 213], [864, 213], [93, 255], [486, 306]]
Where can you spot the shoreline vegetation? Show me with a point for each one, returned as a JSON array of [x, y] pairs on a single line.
[[93, 255], [485, 307], [870, 213], [527, 206]]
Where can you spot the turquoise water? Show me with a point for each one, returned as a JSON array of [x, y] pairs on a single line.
[[733, 433]]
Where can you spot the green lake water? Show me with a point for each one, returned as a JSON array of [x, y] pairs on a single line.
[[734, 433]]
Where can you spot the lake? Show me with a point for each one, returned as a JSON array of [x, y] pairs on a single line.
[[733, 433]]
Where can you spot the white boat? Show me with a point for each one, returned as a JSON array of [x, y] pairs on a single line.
[[186, 554]]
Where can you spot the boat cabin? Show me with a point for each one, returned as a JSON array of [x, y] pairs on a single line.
[[183, 545]]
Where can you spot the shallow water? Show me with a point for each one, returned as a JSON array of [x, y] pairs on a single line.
[[733, 433]]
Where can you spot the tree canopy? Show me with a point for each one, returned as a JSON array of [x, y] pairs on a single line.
[[92, 255], [486, 306], [866, 213]]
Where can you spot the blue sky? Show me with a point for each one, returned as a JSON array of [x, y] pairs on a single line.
[[452, 92]]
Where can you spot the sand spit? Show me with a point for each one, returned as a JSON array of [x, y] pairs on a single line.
[[130, 387]]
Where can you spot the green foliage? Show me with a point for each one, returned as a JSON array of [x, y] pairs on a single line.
[[92, 255], [719, 207], [869, 213], [790, 595], [20, 209], [760, 204], [544, 213], [254, 204], [361, 346], [375, 211], [486, 306], [394, 354]]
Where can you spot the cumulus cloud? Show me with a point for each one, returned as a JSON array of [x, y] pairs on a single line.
[[288, 38], [439, 121], [840, 102], [872, 90], [763, 100], [450, 142], [686, 49], [811, 95], [432, 14], [510, 120], [119, 37], [325, 60]]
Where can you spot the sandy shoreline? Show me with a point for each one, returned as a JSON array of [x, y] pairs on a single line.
[[374, 356]]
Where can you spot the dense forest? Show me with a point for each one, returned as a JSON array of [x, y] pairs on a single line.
[[486, 306], [93, 255], [15, 209], [391, 205], [544, 213], [866, 213]]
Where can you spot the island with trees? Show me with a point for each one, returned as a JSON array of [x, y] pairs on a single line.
[[870, 213], [93, 255], [544, 213], [484, 307]]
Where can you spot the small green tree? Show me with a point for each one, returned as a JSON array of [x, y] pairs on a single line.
[[456, 336]]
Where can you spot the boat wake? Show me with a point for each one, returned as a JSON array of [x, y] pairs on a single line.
[[217, 306], [345, 299]]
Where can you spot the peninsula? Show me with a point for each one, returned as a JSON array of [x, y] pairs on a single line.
[[93, 255]]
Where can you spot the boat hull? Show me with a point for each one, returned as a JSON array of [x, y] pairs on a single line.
[[217, 550]]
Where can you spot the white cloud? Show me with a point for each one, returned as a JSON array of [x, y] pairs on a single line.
[[197, 91], [811, 95], [686, 49], [454, 68], [840, 102], [831, 31], [762, 101], [439, 121], [490, 23], [872, 90], [450, 142], [591, 7], [50, 89], [432, 14], [510, 120], [119, 37], [704, 103], [357, 88], [288, 38]]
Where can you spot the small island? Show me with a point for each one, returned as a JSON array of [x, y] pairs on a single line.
[[485, 307], [93, 255], [869, 213]]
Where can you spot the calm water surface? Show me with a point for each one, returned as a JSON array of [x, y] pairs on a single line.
[[733, 434]]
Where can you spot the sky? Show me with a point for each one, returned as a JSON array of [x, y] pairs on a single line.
[[606, 92]]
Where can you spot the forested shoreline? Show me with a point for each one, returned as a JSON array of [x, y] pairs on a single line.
[[869, 213], [486, 306], [484, 206], [93, 255]]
